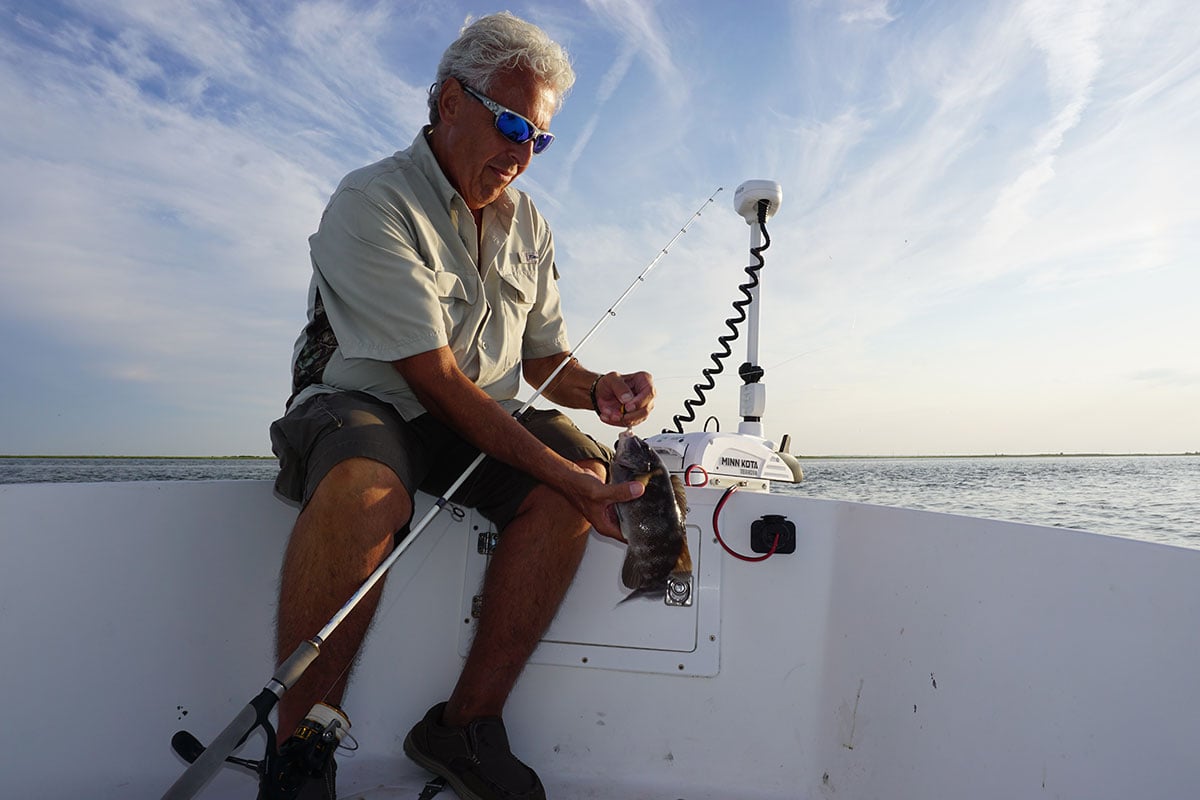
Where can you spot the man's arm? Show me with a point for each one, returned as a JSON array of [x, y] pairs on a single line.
[[450, 396], [623, 400]]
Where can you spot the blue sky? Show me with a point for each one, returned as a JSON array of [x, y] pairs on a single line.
[[988, 241]]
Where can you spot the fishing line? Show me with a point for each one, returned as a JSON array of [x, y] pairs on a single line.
[[256, 712], [748, 372], [612, 311]]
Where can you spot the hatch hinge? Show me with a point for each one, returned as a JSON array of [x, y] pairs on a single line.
[[486, 544]]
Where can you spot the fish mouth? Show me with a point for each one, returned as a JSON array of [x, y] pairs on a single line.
[[632, 452]]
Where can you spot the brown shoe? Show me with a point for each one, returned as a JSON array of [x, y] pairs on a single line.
[[475, 760]]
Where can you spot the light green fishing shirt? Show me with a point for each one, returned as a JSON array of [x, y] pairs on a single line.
[[397, 271]]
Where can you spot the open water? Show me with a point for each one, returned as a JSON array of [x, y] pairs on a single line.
[[1154, 498]]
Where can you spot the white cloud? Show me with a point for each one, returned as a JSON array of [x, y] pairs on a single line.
[[1066, 35], [639, 32], [154, 211], [872, 12], [639, 26]]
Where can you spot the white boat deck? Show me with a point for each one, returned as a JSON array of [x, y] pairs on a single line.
[[896, 654]]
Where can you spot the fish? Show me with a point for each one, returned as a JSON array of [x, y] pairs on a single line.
[[652, 524]]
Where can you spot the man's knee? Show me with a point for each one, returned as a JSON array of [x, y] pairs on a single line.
[[366, 495], [565, 517]]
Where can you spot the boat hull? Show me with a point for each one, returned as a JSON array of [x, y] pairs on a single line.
[[895, 654]]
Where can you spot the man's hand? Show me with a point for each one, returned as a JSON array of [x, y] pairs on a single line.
[[595, 500], [624, 400]]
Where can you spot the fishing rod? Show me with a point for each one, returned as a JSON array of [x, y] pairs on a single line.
[[256, 713]]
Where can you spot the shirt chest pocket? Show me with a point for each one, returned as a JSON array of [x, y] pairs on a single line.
[[519, 283], [457, 300]]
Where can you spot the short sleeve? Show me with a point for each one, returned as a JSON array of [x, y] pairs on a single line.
[[380, 293]]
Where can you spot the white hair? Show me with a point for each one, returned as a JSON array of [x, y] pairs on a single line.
[[502, 43]]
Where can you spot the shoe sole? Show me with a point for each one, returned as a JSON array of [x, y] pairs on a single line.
[[410, 750]]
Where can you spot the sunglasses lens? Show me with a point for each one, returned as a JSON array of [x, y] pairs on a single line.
[[518, 131], [513, 128]]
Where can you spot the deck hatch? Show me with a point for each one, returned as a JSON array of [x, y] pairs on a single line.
[[678, 635]]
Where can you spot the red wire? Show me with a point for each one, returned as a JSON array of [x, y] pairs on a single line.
[[687, 475], [728, 549]]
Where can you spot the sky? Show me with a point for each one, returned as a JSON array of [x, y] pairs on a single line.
[[988, 242]]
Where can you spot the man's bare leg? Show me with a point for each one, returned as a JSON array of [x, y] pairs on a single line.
[[342, 535], [529, 574]]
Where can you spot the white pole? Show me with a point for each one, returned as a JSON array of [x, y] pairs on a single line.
[[752, 318], [748, 201], [753, 396]]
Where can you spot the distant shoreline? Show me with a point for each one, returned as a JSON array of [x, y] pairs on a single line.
[[149, 458], [1010, 455], [800, 457]]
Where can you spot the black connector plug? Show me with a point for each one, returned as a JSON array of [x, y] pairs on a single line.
[[763, 532]]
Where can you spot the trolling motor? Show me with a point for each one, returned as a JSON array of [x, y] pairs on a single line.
[[745, 459]]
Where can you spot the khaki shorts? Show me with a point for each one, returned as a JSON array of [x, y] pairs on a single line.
[[312, 438]]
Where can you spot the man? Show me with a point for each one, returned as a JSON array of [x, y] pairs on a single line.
[[433, 292]]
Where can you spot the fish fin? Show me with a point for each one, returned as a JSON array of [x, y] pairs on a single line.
[[680, 495], [684, 564], [649, 593], [631, 576]]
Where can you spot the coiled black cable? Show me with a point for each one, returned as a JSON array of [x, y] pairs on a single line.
[[750, 373]]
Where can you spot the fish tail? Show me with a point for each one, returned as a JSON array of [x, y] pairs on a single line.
[[649, 592]]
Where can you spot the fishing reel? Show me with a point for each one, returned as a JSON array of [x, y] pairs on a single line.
[[304, 754]]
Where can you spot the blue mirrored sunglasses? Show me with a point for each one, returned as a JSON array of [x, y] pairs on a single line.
[[513, 126]]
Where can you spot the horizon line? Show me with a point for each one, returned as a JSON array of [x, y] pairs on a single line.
[[801, 457]]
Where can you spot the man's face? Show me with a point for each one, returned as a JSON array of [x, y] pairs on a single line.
[[477, 159]]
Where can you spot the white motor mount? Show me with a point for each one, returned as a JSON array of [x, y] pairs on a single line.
[[721, 460]]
